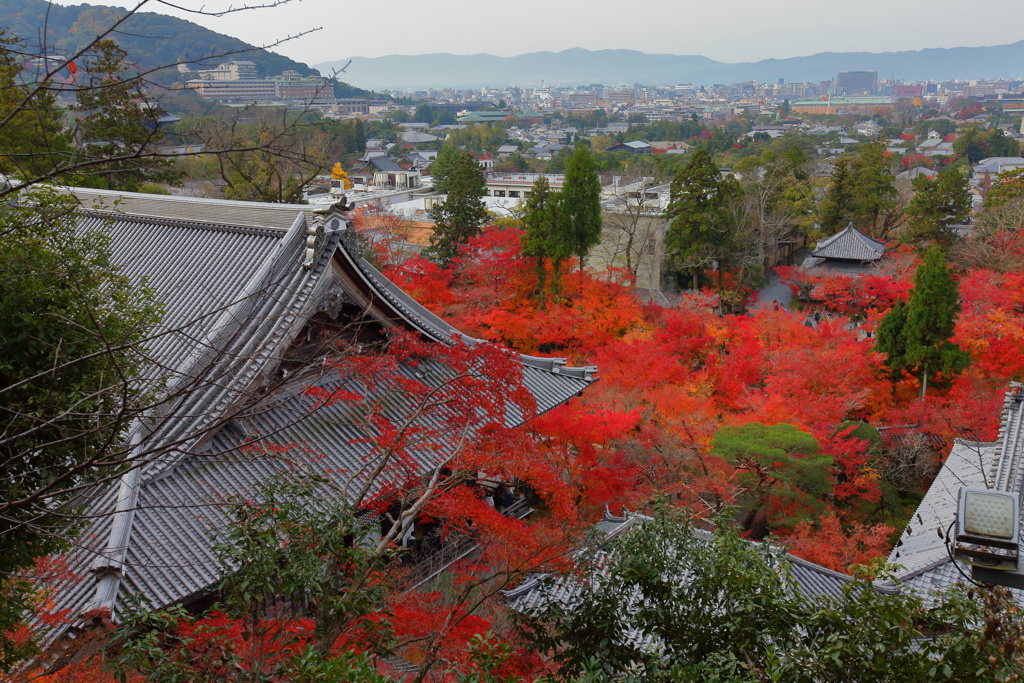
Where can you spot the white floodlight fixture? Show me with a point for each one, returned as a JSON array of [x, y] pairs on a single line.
[[987, 527]]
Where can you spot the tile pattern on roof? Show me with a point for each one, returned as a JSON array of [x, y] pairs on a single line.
[[196, 271], [170, 557], [922, 542], [849, 244], [233, 285]]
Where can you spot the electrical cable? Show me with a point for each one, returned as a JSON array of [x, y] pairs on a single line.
[[956, 564]]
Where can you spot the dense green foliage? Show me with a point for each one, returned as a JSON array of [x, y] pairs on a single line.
[[480, 137], [539, 241], [836, 208], [443, 166], [664, 602], [69, 365], [860, 190], [975, 145]]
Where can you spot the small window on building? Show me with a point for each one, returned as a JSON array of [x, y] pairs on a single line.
[[499, 193], [514, 194]]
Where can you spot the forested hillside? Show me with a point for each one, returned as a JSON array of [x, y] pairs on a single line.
[[151, 39]]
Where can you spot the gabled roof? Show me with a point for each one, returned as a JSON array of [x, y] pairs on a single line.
[[239, 282], [849, 244], [998, 164], [385, 164], [417, 138]]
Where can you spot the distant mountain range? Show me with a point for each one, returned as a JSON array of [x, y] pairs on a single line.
[[611, 67]]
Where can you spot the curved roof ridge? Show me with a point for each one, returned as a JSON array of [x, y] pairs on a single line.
[[277, 217], [184, 223]]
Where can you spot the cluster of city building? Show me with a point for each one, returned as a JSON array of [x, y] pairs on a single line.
[[850, 91], [238, 82]]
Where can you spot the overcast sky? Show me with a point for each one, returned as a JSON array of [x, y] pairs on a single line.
[[726, 30]]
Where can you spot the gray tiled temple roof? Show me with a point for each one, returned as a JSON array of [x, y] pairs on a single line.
[[849, 244], [921, 549], [238, 282]]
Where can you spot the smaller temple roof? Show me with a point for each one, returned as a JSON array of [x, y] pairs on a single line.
[[851, 245]]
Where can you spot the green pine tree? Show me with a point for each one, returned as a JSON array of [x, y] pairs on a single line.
[[873, 188], [782, 470], [916, 337], [459, 218], [360, 136]]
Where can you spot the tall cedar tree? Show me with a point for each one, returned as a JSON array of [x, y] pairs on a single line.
[[836, 209], [702, 225], [915, 337], [443, 166], [860, 190], [937, 203], [578, 224], [874, 191], [459, 218], [539, 242], [115, 120]]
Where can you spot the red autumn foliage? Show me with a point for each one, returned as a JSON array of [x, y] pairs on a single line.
[[837, 548], [670, 379]]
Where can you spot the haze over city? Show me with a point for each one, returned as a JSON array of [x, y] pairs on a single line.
[[730, 31]]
